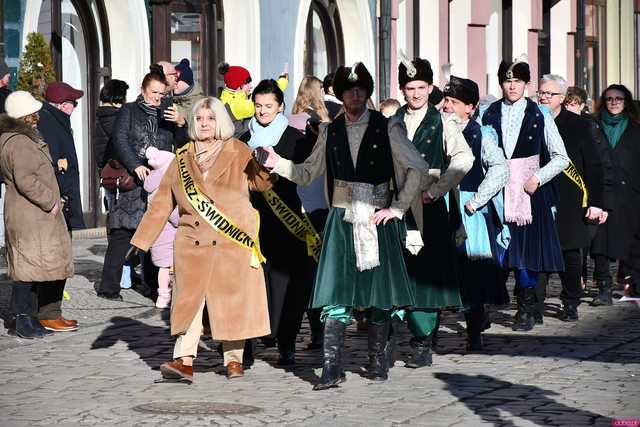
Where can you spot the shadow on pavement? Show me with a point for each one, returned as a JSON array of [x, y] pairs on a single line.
[[488, 397]]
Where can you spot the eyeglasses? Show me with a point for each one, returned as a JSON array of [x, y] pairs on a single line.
[[613, 100], [544, 94]]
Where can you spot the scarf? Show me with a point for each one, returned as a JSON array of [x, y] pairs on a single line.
[[267, 136], [207, 152], [150, 126], [613, 126], [517, 203]]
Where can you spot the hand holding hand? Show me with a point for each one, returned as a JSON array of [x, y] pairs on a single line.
[[142, 172], [383, 216], [531, 185], [266, 156]]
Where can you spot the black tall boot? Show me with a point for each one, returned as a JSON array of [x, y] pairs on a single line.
[[390, 347], [605, 294], [378, 336], [421, 356], [287, 352], [475, 325], [526, 301], [332, 363], [541, 294], [247, 355]]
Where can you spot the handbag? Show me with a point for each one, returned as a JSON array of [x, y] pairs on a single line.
[[114, 177]]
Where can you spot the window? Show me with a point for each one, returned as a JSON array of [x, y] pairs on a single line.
[[595, 20], [323, 48]]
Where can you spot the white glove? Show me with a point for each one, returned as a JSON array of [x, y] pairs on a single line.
[[414, 241]]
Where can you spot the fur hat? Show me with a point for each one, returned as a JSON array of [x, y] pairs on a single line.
[[518, 69], [418, 69], [185, 74], [349, 77], [435, 96], [234, 76], [159, 159], [21, 103], [465, 90]]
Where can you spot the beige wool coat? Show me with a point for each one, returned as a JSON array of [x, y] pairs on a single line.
[[208, 265], [38, 244]]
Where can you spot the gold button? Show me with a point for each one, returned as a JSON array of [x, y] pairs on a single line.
[[530, 137], [422, 154], [428, 141], [535, 125], [375, 146]]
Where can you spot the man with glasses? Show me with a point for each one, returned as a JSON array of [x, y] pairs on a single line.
[[535, 153], [580, 194], [55, 127]]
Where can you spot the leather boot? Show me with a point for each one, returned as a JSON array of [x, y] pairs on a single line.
[[605, 294], [29, 327], [287, 352], [421, 356], [378, 335], [524, 319], [540, 295], [569, 312], [475, 325], [390, 347], [332, 363], [247, 354]]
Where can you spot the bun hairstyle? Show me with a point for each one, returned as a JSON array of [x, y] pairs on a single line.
[[223, 68], [156, 73], [114, 92], [268, 86]]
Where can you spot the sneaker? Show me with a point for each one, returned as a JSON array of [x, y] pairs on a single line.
[[125, 280], [164, 300]]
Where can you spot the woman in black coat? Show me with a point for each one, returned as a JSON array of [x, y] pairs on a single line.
[[140, 125], [286, 270], [619, 237], [112, 96]]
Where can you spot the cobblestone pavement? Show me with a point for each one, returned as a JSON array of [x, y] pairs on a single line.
[[584, 373]]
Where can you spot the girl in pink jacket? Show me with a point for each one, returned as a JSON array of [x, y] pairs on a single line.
[[162, 249]]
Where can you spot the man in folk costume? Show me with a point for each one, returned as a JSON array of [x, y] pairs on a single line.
[[535, 153], [442, 145], [481, 206], [580, 194], [372, 174]]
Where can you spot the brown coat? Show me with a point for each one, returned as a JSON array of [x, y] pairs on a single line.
[[38, 244], [208, 265]]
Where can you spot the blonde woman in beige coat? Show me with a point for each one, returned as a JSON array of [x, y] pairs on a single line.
[[211, 266], [39, 255]]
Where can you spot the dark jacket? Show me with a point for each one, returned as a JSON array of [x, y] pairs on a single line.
[[4, 93], [55, 128], [278, 245], [129, 144], [102, 144], [581, 148], [602, 147], [614, 237], [333, 108]]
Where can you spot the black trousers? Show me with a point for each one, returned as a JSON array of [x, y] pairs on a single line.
[[39, 299], [601, 270], [117, 247], [570, 278]]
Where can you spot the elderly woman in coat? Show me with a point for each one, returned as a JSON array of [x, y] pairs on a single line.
[[217, 258], [39, 253]]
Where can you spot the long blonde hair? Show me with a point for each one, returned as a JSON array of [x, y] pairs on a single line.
[[310, 97]]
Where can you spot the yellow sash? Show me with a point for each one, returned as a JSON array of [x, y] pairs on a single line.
[[214, 217], [299, 227], [572, 173]]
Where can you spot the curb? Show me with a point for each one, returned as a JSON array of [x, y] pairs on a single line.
[[90, 233]]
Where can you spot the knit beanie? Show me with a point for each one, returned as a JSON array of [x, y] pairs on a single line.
[[184, 71], [234, 76]]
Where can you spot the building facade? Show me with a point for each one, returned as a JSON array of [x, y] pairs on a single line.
[[591, 42]]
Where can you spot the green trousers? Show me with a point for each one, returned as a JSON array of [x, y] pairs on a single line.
[[344, 314], [421, 321]]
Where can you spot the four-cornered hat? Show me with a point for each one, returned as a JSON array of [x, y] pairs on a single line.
[[465, 90], [418, 69], [518, 69], [349, 77]]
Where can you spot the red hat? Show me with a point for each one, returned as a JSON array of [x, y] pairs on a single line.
[[234, 76], [59, 92]]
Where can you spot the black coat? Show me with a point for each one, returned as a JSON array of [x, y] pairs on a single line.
[[102, 144], [129, 143], [581, 148], [55, 128], [4, 93], [615, 236]]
